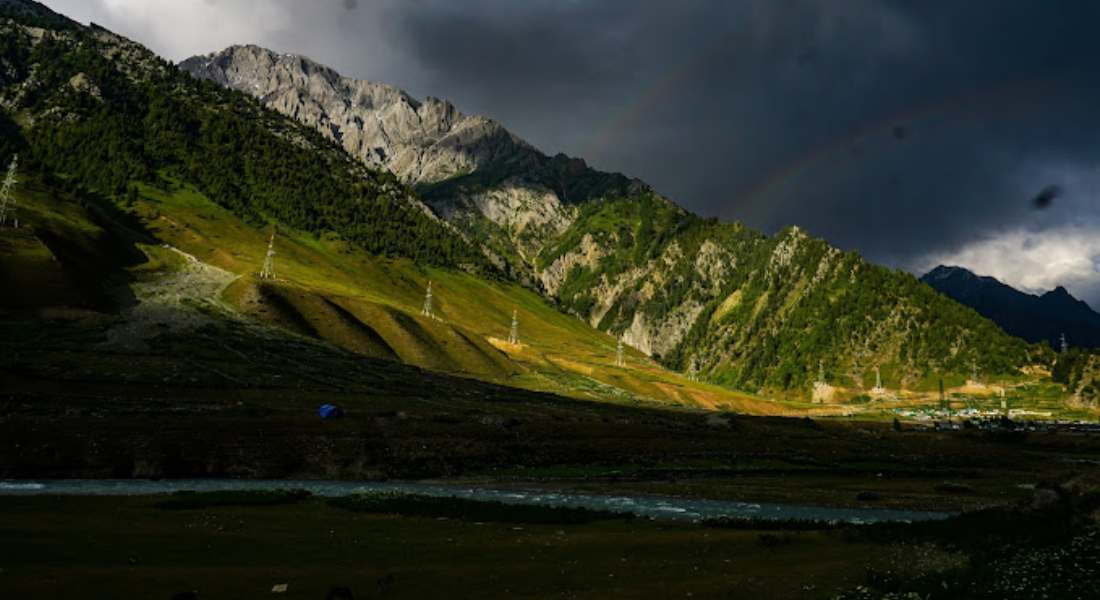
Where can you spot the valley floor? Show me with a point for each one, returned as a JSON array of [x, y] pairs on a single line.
[[224, 400], [103, 547], [152, 547]]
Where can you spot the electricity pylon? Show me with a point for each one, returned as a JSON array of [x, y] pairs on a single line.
[[427, 310], [620, 360], [7, 196], [513, 336], [268, 270]]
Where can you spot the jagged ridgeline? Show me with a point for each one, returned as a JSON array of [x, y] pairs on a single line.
[[753, 311], [500, 191], [104, 113]]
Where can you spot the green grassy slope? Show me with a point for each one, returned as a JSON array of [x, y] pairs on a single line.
[[69, 252], [330, 289], [89, 252]]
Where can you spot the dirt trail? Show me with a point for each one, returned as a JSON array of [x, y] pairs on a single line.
[[180, 301]]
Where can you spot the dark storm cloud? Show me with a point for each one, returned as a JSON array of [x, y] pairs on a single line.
[[896, 128], [906, 130]]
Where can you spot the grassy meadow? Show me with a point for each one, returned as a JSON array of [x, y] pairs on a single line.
[[326, 288]]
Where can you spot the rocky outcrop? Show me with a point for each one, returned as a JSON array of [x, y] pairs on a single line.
[[81, 83], [491, 185], [587, 254], [659, 337], [526, 215], [419, 141]]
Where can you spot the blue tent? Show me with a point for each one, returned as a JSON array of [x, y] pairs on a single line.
[[330, 411]]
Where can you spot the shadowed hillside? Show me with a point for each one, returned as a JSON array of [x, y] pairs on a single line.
[[1044, 318]]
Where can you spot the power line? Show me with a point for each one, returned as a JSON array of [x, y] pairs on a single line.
[[513, 336], [427, 310]]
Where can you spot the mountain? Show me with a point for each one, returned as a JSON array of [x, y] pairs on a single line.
[[383, 126], [1042, 318], [147, 201], [494, 186], [35, 14], [151, 195], [716, 300], [104, 112]]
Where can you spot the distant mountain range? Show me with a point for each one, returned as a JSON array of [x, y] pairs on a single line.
[[1034, 318]]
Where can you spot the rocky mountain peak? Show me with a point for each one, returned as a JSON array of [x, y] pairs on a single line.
[[946, 272], [1034, 318], [29, 9], [419, 141], [473, 172]]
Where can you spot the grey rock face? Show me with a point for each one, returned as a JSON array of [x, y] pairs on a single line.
[[492, 186], [419, 141], [489, 184]]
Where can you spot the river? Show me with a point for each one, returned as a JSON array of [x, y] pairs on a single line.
[[654, 507]]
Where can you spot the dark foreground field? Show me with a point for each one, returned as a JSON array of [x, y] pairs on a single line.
[[149, 547], [76, 547]]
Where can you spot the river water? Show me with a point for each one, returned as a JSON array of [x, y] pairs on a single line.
[[654, 507]]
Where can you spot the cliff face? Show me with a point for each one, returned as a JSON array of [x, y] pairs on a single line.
[[419, 141], [714, 299]]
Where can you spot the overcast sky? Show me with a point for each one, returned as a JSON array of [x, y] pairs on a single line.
[[915, 132]]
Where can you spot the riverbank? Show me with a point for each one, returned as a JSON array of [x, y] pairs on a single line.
[[663, 508]]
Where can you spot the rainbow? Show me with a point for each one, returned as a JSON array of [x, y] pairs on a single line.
[[983, 104], [975, 106]]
